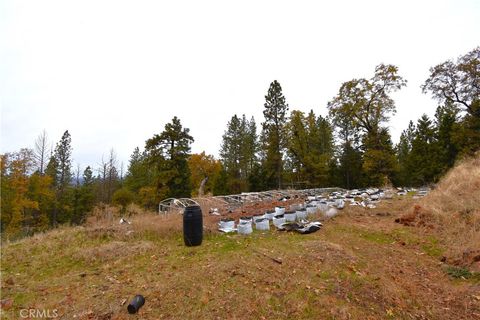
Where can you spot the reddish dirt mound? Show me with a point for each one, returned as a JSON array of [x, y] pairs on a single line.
[[418, 217]]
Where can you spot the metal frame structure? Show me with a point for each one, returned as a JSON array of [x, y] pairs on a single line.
[[229, 202]]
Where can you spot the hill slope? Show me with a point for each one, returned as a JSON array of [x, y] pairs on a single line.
[[361, 265], [452, 212]]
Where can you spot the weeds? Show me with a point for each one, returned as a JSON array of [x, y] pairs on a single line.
[[458, 272]]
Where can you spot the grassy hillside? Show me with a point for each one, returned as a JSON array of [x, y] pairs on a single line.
[[361, 265], [452, 212]]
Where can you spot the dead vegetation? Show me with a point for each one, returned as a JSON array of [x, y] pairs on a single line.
[[452, 211], [111, 250]]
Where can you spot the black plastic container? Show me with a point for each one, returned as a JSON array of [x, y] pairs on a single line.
[[192, 226], [136, 303]]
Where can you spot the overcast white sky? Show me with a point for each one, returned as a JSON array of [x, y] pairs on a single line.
[[114, 72]]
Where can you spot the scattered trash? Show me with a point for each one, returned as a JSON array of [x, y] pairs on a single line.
[[136, 303], [301, 227], [279, 261], [112, 280], [214, 212], [309, 227], [123, 220], [227, 230]]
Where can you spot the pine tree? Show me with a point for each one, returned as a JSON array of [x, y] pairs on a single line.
[[220, 183], [139, 173], [63, 156], [350, 166], [446, 120], [40, 191], [274, 133], [322, 150], [379, 162], [84, 196], [423, 160], [403, 149], [230, 154], [169, 152], [299, 149], [59, 168], [310, 149], [238, 152], [249, 147]]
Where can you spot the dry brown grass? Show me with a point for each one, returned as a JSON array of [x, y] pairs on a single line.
[[110, 251], [452, 209], [360, 265], [458, 192], [105, 222]]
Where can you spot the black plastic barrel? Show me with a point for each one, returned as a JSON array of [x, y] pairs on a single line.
[[136, 304], [192, 226]]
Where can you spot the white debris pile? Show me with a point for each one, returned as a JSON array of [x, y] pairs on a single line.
[[214, 212], [369, 198], [328, 204], [124, 221]]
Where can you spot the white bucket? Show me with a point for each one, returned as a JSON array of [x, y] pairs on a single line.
[[311, 210], [339, 203], [278, 220], [245, 228], [262, 224], [279, 210], [331, 212], [290, 216], [269, 215], [245, 220], [322, 206], [226, 224], [301, 214], [258, 217]]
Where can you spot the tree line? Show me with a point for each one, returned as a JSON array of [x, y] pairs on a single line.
[[351, 147]]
